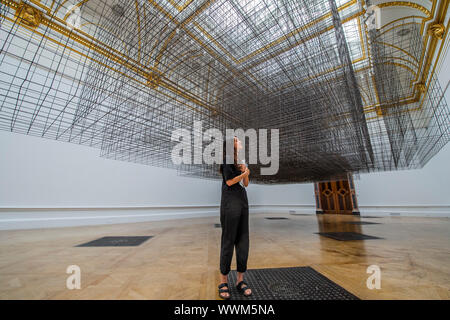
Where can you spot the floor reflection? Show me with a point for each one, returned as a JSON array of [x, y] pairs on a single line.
[[340, 223]]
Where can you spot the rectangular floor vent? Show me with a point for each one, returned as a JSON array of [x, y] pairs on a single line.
[[361, 222], [347, 236], [292, 283], [120, 241]]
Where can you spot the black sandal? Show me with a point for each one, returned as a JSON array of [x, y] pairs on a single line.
[[224, 291], [242, 289]]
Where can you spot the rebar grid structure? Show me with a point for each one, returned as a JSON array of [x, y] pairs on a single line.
[[130, 73]]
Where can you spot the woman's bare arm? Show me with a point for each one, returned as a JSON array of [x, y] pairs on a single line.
[[238, 178], [246, 179]]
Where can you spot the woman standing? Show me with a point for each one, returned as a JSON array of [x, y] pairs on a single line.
[[234, 220]]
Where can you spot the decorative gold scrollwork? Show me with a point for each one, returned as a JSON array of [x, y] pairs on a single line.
[[28, 15], [437, 30], [421, 87]]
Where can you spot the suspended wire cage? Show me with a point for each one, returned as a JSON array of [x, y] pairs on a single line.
[[126, 76]]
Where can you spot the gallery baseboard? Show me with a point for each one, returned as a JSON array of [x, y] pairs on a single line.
[[14, 218], [32, 218], [390, 211]]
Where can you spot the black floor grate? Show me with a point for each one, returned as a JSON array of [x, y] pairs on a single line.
[[277, 218], [362, 222], [217, 225], [347, 236], [120, 241], [370, 217], [294, 283]]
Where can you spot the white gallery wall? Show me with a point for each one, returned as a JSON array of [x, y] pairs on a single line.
[[46, 173], [41, 173], [424, 192]]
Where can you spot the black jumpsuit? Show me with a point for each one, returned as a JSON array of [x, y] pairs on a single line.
[[234, 221]]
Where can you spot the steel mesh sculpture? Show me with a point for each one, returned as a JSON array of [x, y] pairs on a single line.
[[132, 73]]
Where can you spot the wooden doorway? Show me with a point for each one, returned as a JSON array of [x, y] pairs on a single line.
[[336, 197]]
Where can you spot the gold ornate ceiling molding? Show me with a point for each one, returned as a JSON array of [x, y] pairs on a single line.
[[410, 4], [28, 15], [438, 32]]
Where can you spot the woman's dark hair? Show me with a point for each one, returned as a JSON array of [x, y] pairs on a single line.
[[224, 153]]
